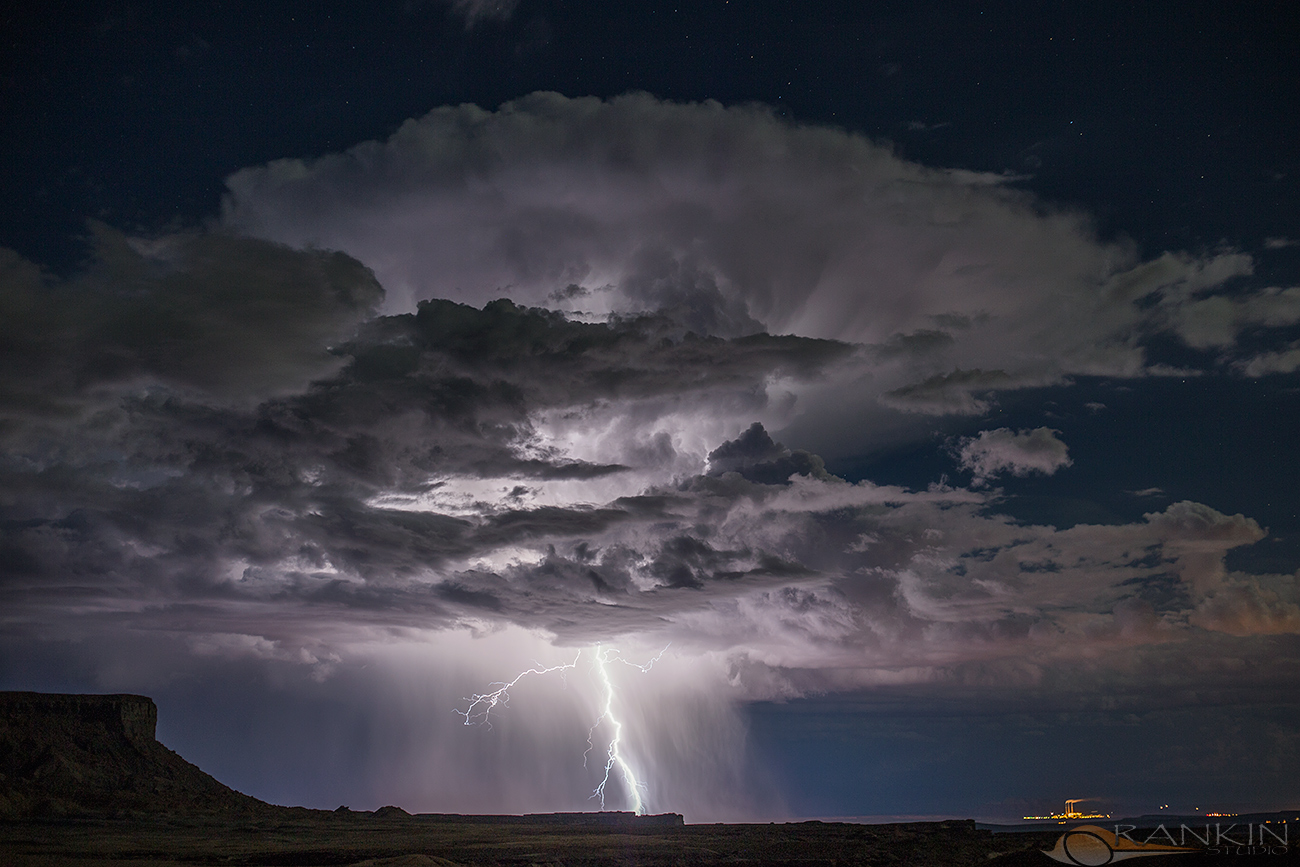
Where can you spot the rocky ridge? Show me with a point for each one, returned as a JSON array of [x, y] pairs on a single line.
[[97, 756]]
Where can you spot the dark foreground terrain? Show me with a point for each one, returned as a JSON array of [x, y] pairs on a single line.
[[84, 782], [390, 838], [303, 837]]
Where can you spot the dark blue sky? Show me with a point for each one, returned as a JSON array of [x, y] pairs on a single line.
[[1170, 123], [1073, 327]]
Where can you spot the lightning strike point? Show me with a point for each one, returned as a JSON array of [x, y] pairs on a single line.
[[613, 756], [480, 709]]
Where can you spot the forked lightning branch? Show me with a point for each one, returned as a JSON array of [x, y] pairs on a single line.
[[481, 705]]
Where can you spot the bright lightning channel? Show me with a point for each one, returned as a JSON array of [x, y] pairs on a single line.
[[481, 706], [612, 755]]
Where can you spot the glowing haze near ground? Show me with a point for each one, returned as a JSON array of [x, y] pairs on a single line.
[[513, 385]]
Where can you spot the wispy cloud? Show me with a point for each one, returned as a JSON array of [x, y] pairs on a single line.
[[475, 11]]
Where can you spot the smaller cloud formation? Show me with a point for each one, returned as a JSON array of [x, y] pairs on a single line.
[[1217, 321], [757, 458], [1286, 361], [1251, 605], [999, 451]]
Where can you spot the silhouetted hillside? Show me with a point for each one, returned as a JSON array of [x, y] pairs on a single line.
[[96, 755]]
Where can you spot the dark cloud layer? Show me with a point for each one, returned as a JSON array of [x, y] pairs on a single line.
[[210, 419], [208, 423], [233, 318]]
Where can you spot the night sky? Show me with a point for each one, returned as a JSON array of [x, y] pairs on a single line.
[[900, 398]]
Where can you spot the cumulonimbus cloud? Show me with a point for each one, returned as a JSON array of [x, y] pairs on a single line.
[[514, 372], [271, 438]]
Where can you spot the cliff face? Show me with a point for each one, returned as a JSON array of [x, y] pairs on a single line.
[[96, 755], [134, 717]]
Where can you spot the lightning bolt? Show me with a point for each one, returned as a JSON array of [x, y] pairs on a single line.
[[613, 756], [481, 706]]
